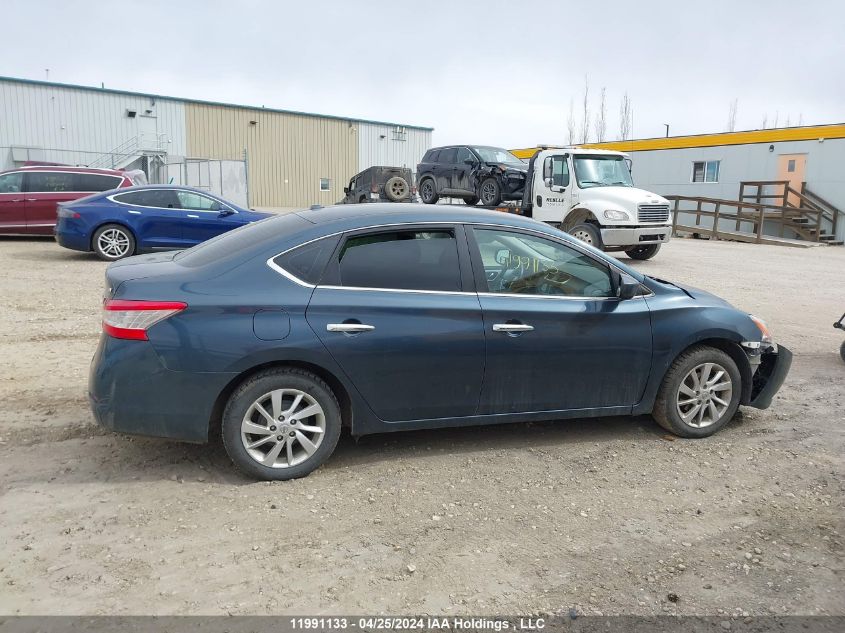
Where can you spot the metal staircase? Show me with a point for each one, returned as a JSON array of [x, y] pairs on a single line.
[[152, 146]]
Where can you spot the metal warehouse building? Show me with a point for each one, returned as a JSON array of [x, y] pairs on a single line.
[[796, 167], [264, 157]]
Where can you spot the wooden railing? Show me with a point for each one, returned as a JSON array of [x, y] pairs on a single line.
[[738, 212]]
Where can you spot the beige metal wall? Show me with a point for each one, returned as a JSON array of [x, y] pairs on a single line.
[[287, 153]]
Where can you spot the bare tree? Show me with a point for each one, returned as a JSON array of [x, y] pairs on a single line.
[[732, 115], [570, 122], [601, 117], [800, 119], [765, 122], [585, 123], [625, 118], [777, 115], [787, 120]]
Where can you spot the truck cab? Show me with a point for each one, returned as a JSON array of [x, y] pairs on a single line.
[[590, 194]]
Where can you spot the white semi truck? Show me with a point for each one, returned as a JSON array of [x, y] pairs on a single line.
[[589, 193]]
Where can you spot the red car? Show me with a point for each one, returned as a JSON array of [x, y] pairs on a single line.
[[29, 195]]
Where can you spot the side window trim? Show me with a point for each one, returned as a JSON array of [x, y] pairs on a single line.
[[115, 197], [478, 264]]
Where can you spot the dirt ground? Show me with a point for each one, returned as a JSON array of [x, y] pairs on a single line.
[[605, 516]]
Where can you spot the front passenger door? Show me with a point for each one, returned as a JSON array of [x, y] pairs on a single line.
[[392, 311], [557, 336]]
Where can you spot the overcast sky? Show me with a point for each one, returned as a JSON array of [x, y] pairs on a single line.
[[491, 72]]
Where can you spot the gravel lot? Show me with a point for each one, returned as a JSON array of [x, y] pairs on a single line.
[[608, 516]]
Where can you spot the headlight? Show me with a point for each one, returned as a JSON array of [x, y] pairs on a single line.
[[615, 214], [766, 336]]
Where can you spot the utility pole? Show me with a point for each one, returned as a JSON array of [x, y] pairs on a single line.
[[667, 129]]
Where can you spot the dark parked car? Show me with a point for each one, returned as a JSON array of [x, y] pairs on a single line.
[[381, 184], [29, 195], [120, 223], [392, 317], [471, 172]]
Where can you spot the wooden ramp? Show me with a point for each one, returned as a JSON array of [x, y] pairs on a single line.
[[739, 236]]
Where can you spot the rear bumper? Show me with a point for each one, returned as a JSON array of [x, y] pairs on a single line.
[[130, 391], [769, 377], [72, 237], [635, 236]]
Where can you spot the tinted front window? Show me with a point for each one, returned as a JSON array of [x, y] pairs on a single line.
[[517, 263], [464, 155], [404, 260], [95, 182], [498, 155], [49, 181], [447, 155], [307, 262], [11, 183], [196, 202]]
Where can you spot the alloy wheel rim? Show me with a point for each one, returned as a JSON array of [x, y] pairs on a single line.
[[113, 243], [427, 190], [283, 428], [704, 395], [584, 236], [488, 192]]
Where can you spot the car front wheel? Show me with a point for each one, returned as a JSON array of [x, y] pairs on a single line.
[[281, 424], [490, 193], [700, 393], [428, 192], [112, 242]]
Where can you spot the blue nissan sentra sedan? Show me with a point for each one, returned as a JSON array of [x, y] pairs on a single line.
[[387, 317], [121, 222]]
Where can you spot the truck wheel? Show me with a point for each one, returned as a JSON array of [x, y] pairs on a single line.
[[587, 233], [428, 192], [643, 252], [362, 199], [471, 201], [281, 424], [490, 192], [700, 393], [396, 188], [842, 351]]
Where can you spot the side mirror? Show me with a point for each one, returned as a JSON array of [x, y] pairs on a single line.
[[346, 190], [626, 287], [469, 161], [224, 212], [503, 257], [549, 182]]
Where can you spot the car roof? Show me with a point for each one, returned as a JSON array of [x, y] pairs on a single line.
[[167, 186], [84, 170]]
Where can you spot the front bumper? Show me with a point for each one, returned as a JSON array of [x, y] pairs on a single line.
[[769, 377], [635, 235]]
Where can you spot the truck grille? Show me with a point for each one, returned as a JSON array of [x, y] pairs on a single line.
[[653, 212]]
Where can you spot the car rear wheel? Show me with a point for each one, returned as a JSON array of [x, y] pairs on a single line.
[[396, 188], [490, 192], [643, 252], [700, 393], [471, 201], [281, 424], [112, 242], [587, 233], [428, 192]]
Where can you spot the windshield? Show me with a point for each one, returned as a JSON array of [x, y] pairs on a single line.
[[602, 171], [497, 155]]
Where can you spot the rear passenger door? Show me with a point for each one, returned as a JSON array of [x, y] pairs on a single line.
[[443, 170], [393, 310], [155, 217], [44, 191]]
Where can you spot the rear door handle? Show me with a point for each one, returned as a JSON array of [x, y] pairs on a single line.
[[512, 327], [32, 199], [350, 328], [193, 216]]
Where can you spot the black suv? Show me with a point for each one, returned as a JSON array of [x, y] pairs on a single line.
[[471, 172], [380, 184]]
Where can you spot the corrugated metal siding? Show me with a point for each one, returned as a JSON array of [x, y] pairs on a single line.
[[74, 125], [288, 154], [378, 145]]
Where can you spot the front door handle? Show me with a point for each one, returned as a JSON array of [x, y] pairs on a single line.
[[350, 328], [194, 216], [512, 327]]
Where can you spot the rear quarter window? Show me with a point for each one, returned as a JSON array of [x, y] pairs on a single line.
[[307, 262], [431, 156]]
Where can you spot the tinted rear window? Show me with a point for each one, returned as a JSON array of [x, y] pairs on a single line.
[[447, 155], [49, 181], [431, 156], [243, 241], [95, 182]]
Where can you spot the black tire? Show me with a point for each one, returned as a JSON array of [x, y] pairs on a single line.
[[666, 409], [490, 192], [587, 233], [428, 191], [122, 245], [471, 201], [842, 351], [647, 251], [362, 199], [396, 189], [260, 386]]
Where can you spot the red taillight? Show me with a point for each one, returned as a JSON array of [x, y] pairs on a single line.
[[64, 212], [131, 319]]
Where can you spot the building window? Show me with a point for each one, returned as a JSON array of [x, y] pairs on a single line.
[[705, 171], [400, 133], [325, 184], [790, 166]]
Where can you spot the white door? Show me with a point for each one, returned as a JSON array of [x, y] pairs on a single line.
[[147, 132], [553, 186]]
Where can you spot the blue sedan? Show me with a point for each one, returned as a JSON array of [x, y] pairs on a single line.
[[121, 222], [384, 317]]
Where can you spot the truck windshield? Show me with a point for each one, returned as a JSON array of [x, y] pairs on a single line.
[[602, 171], [497, 155]]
